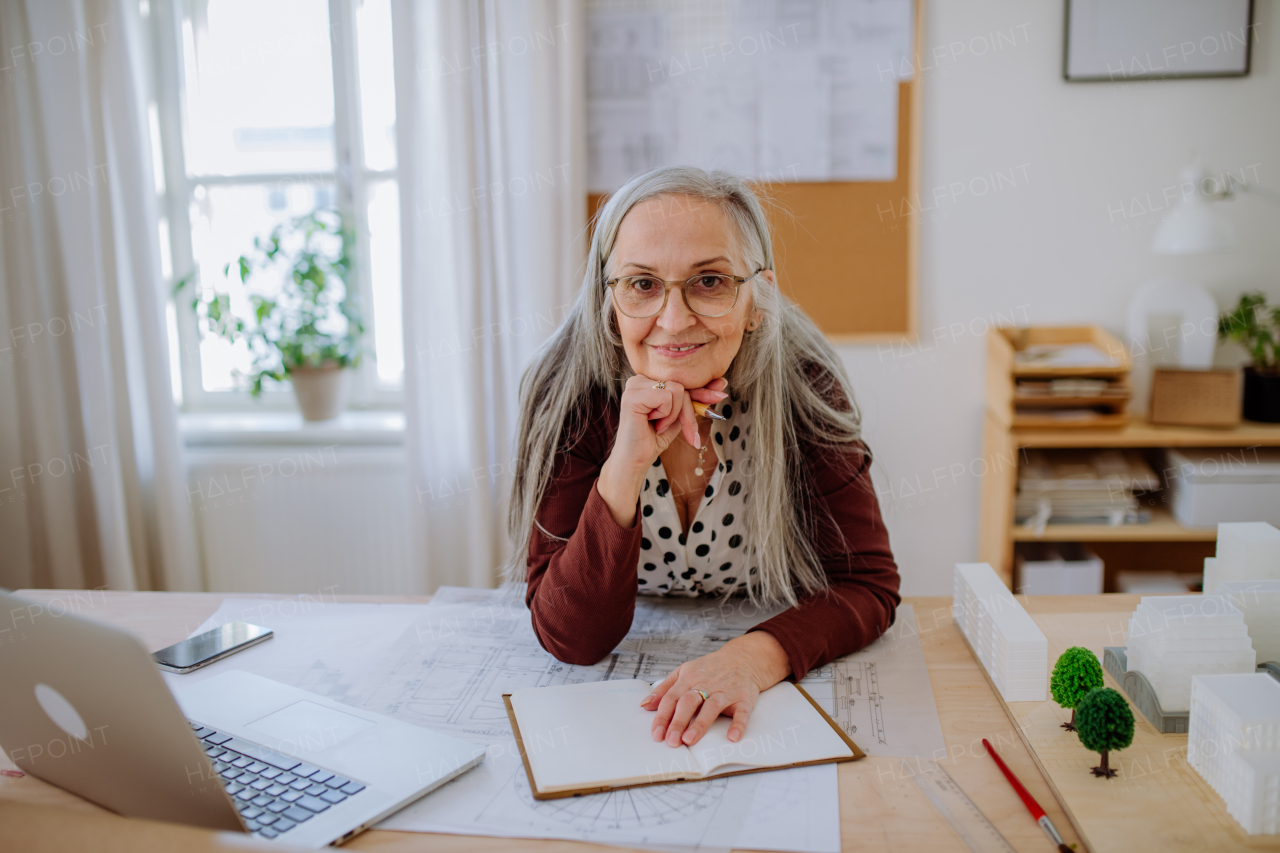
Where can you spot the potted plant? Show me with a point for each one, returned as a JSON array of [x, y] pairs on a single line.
[[1257, 327], [304, 324]]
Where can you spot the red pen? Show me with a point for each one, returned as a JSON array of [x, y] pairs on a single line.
[[1028, 801]]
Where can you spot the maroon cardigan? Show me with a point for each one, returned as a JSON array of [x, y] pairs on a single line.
[[582, 592]]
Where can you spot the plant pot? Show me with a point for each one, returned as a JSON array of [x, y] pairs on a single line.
[[1262, 395], [321, 391]]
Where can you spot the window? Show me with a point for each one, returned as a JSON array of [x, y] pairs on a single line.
[[265, 112]]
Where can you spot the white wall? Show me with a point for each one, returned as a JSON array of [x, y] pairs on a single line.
[[1051, 249]]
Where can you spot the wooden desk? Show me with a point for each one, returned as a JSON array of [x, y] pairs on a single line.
[[880, 808]]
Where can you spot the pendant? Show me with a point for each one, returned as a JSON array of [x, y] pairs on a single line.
[[697, 472]]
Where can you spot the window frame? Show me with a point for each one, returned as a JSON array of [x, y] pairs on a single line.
[[350, 177]]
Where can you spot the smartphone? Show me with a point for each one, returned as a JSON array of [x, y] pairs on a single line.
[[204, 649]]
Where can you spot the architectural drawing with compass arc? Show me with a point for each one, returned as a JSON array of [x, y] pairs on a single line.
[[627, 809]]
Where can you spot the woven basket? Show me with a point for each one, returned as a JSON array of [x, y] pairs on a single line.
[[1196, 397]]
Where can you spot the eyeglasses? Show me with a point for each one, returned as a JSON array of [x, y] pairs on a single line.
[[705, 294]]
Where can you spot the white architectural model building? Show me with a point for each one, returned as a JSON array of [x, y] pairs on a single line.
[[1233, 741], [1007, 641], [1259, 601], [1247, 551], [1174, 637], [1247, 571]]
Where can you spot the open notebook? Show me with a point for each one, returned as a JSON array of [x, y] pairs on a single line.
[[585, 738]]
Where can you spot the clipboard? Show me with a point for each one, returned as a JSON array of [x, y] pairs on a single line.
[[599, 789]]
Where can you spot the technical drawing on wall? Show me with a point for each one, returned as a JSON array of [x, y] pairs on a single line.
[[774, 90]]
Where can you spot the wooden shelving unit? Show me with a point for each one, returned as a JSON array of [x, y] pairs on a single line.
[[1142, 434], [1002, 450]]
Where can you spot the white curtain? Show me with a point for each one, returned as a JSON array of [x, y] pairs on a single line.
[[491, 129], [91, 489]]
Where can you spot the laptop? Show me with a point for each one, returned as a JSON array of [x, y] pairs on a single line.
[[84, 707]]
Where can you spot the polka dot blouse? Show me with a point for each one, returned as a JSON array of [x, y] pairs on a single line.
[[713, 558]]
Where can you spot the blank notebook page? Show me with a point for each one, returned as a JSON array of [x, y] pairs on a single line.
[[784, 728], [591, 735], [584, 735]]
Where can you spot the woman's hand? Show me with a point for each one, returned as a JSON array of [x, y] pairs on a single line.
[[649, 419], [732, 678]]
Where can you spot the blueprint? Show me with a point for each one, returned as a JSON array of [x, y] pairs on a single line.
[[774, 90], [449, 671], [446, 665], [881, 696]]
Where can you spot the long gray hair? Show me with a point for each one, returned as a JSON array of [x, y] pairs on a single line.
[[786, 368]]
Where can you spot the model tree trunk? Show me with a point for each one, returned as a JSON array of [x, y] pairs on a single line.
[[1104, 770], [1071, 726]]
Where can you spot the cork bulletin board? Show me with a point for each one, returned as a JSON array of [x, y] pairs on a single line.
[[847, 251]]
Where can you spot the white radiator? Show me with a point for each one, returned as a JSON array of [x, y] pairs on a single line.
[[305, 519]]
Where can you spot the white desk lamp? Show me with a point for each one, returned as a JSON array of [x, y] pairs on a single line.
[[1173, 322], [1193, 227]]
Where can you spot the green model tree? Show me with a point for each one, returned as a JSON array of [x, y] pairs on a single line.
[[1104, 722], [1074, 675]]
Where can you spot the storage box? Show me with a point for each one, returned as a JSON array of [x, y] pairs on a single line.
[[1209, 398], [1059, 569], [1211, 486]]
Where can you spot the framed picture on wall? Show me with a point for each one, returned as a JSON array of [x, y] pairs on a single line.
[[1122, 40]]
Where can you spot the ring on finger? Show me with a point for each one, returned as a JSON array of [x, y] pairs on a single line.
[[701, 693], [661, 385]]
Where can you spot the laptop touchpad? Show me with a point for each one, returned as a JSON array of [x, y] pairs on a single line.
[[307, 727]]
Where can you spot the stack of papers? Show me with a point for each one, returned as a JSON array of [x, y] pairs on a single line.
[[1072, 387], [1234, 743], [1083, 487], [1007, 641], [1064, 355], [1147, 582], [1173, 638]]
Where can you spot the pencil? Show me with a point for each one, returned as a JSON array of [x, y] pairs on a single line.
[[705, 411], [1029, 801]]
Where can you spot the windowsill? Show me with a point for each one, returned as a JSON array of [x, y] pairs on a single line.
[[231, 429]]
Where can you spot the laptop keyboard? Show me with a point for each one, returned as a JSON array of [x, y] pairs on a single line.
[[273, 792]]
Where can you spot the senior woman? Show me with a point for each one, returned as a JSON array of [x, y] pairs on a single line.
[[621, 489]]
